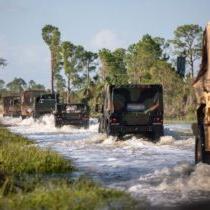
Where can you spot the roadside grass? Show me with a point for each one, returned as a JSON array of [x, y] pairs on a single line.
[[19, 156], [27, 181], [79, 195]]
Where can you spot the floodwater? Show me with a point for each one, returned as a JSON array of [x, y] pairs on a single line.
[[162, 174]]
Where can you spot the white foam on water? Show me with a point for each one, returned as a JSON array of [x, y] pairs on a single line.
[[44, 124], [166, 140], [169, 186]]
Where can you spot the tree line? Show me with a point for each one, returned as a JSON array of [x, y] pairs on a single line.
[[18, 85]]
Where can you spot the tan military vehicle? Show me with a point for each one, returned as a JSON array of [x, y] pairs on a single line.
[[28, 99], [11, 106], [202, 90]]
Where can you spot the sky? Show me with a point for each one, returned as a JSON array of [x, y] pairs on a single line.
[[95, 24]]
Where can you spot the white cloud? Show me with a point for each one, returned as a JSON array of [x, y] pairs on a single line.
[[106, 38]]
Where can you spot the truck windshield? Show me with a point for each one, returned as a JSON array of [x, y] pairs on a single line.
[[135, 99], [75, 108]]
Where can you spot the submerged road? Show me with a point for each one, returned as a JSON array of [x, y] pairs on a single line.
[[162, 173]]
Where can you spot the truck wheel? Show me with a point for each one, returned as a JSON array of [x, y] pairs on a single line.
[[99, 128], [108, 130], [58, 123], [35, 116], [199, 153], [157, 132], [23, 117], [86, 125], [199, 147]]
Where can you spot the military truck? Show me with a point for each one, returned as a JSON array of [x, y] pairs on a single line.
[[28, 99], [45, 104], [76, 114], [11, 106], [136, 109], [201, 85]]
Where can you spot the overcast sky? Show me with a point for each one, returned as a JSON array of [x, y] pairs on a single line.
[[94, 24]]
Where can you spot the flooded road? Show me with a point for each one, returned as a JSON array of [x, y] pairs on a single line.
[[162, 173]]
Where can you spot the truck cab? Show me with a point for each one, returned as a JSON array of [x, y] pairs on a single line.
[[136, 109]]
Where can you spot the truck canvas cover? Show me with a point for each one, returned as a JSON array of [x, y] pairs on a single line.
[[136, 103]]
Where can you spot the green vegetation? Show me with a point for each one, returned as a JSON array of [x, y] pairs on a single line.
[[35, 178], [187, 41], [63, 195], [19, 156]]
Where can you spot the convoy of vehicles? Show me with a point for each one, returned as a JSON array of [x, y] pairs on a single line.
[[72, 114], [136, 109], [202, 90], [36, 103]]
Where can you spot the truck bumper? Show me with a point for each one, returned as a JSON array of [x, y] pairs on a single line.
[[73, 122], [135, 129], [67, 121]]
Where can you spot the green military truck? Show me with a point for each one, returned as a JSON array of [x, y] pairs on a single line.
[[135, 109], [45, 104], [76, 114]]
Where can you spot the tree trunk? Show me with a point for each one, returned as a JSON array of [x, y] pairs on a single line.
[[52, 71], [68, 87], [192, 69], [192, 65], [88, 78]]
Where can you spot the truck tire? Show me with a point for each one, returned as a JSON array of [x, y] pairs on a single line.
[[58, 123], [108, 130], [86, 125], [157, 132], [199, 146], [23, 117], [99, 127], [199, 152]]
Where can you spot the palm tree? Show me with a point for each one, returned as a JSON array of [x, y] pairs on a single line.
[[68, 51], [51, 36]]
